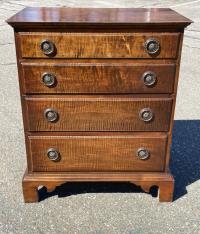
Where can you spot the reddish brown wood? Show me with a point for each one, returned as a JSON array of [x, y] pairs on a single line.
[[166, 191], [30, 191], [23, 105], [174, 104], [98, 153], [62, 17], [106, 47], [86, 45], [164, 181], [98, 113], [114, 76]]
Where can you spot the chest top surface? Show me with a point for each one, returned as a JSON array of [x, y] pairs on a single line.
[[97, 17]]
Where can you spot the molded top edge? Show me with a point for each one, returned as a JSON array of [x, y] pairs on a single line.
[[34, 17]]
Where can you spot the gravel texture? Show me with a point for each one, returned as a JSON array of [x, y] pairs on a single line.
[[102, 208]]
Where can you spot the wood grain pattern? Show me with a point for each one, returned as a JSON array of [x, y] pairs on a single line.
[[23, 105], [98, 51], [99, 45], [101, 77], [100, 113], [98, 153], [164, 181], [174, 104], [63, 17]]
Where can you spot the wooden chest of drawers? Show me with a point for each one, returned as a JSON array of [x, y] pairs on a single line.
[[98, 90]]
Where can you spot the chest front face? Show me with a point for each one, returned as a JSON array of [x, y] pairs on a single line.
[[98, 90]]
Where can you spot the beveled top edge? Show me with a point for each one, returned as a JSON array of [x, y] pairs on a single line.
[[86, 17]]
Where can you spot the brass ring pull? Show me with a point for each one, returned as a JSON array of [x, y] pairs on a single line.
[[47, 47], [146, 115], [152, 46], [143, 153], [53, 154], [149, 78], [48, 79], [51, 115]]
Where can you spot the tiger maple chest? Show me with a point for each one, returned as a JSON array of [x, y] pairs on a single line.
[[98, 90]]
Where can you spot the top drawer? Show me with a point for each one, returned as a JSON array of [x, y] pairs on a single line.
[[99, 45]]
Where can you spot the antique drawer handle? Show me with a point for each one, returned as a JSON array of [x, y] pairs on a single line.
[[51, 115], [146, 115], [53, 154], [149, 78], [49, 79], [152, 46], [47, 47], [143, 153]]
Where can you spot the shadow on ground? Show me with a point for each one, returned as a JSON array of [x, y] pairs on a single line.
[[185, 155], [184, 165]]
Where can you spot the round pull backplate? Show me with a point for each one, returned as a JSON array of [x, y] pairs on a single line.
[[53, 154], [51, 115], [49, 79], [47, 47], [149, 78], [152, 46], [146, 114], [143, 153]]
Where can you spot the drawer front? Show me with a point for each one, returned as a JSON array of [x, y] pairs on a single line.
[[98, 153], [100, 77], [99, 45], [98, 113]]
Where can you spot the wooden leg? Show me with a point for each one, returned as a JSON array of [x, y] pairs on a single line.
[[30, 192], [31, 181], [166, 190], [146, 186], [30, 184], [164, 183]]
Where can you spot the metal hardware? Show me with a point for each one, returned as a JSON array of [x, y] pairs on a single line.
[[47, 47], [146, 115], [49, 79], [53, 154], [152, 46], [51, 115], [149, 78], [143, 153]]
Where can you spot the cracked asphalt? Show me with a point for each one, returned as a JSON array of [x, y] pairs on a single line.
[[102, 208]]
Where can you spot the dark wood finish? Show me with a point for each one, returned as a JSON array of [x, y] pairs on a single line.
[[99, 45], [98, 153], [174, 103], [98, 77], [164, 181], [98, 113], [54, 17], [23, 105], [99, 53]]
